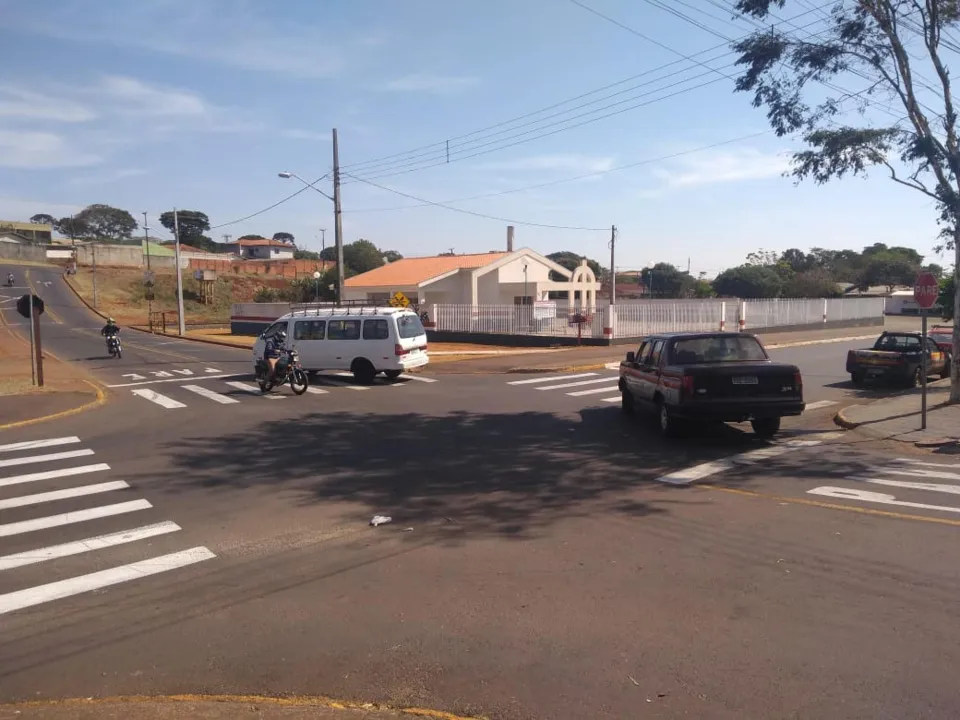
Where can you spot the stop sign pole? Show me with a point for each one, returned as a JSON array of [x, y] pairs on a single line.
[[926, 289], [31, 307]]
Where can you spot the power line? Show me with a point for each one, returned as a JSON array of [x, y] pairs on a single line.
[[647, 161], [269, 207], [477, 214], [438, 149]]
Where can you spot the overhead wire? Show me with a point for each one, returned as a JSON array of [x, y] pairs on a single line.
[[479, 214], [439, 149]]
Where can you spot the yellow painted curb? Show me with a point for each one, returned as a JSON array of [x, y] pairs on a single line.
[[569, 368], [100, 400], [292, 701]]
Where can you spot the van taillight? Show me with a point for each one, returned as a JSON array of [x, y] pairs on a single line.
[[797, 382], [398, 350], [686, 386]]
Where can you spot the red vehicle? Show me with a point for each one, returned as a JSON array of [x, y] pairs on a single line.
[[942, 335]]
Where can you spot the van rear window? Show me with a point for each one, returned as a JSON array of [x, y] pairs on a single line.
[[409, 326]]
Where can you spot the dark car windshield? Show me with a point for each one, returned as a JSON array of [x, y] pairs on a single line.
[[898, 343], [409, 326], [717, 349]]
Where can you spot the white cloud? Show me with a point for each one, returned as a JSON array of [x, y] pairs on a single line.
[[22, 210], [297, 134], [37, 150], [245, 35], [569, 162], [108, 177], [19, 102], [724, 167], [431, 84], [139, 98]]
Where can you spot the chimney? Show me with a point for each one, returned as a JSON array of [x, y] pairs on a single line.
[[509, 238]]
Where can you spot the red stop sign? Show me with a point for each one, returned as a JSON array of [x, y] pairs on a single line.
[[926, 290]]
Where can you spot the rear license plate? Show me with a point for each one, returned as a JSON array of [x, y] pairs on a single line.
[[874, 371], [746, 380]]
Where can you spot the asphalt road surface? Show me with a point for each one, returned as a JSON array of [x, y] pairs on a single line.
[[547, 557]]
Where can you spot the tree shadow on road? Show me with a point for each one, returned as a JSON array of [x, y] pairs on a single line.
[[506, 475]]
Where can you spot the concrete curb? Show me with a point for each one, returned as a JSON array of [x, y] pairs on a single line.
[[533, 370], [100, 399]]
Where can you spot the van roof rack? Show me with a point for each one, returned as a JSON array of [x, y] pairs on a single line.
[[349, 307]]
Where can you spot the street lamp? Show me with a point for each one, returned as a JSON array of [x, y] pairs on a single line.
[[338, 231], [524, 282], [316, 276], [650, 266]]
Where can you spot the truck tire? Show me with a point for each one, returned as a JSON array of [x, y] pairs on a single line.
[[948, 363], [668, 423], [626, 403], [857, 377], [765, 428]]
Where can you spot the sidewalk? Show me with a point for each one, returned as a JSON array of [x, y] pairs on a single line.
[[898, 418], [210, 709], [591, 358]]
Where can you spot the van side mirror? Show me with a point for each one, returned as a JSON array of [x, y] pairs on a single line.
[[631, 357]]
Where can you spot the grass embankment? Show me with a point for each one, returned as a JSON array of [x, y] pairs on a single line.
[[17, 374], [121, 294]]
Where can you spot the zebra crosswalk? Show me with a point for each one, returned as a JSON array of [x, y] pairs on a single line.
[[231, 390], [71, 530], [588, 385]]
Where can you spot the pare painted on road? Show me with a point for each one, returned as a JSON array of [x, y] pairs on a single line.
[[924, 472]]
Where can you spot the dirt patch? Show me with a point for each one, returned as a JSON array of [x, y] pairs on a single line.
[[121, 294]]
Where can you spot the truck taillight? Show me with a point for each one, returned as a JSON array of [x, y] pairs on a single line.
[[797, 381], [398, 350], [686, 386]]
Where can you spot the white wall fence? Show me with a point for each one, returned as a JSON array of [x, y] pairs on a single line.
[[635, 319]]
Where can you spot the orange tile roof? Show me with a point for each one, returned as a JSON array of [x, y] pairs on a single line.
[[413, 271]]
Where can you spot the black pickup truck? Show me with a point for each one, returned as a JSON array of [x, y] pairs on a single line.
[[710, 377], [897, 357]]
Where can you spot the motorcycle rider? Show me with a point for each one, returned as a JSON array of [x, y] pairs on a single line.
[[110, 329], [10, 279], [272, 350]]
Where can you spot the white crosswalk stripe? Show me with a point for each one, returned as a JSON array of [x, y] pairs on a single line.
[[210, 394], [574, 385], [187, 394], [82, 555], [155, 397]]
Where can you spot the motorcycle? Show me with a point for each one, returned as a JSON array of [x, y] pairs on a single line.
[[288, 370], [113, 346], [10, 280]]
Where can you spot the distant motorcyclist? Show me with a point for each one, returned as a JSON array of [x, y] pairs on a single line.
[[110, 329], [272, 351], [10, 279]]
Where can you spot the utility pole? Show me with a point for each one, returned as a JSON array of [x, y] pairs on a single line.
[[688, 266], [337, 224], [93, 252], [613, 267], [181, 324], [146, 238], [323, 241], [226, 238]]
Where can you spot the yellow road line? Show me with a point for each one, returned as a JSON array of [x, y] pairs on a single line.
[[100, 400], [294, 701], [831, 506], [47, 309]]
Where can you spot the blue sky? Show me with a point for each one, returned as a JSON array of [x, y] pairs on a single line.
[[152, 104]]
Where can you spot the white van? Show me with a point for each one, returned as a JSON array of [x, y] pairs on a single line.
[[363, 340]]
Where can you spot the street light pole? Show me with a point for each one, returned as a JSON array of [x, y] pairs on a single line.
[[316, 276], [181, 323], [337, 223], [146, 238]]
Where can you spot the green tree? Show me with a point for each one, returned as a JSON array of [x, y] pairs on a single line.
[[571, 260], [72, 227], [306, 255], [894, 46], [937, 270], [362, 256], [43, 219], [105, 223], [797, 260], [812, 283], [748, 281], [251, 237], [329, 254], [193, 226], [703, 289], [888, 269], [284, 237], [666, 281], [392, 256]]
